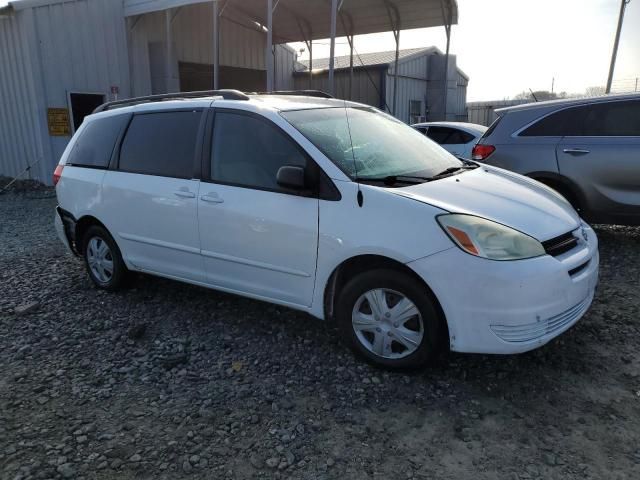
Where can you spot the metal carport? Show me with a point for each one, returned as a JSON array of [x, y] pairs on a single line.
[[307, 20]]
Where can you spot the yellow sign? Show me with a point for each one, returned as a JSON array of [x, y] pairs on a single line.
[[58, 120]]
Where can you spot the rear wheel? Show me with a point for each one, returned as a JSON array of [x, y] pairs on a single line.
[[103, 260], [389, 319]]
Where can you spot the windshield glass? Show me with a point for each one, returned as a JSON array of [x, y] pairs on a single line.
[[381, 145]]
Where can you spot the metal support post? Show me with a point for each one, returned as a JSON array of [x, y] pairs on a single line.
[[216, 46], [332, 54], [269, 49]]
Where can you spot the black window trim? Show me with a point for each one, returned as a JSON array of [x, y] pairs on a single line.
[[332, 194], [517, 133], [195, 173]]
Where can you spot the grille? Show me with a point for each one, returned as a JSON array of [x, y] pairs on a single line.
[[532, 331], [559, 245]]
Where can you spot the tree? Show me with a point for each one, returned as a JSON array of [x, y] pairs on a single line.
[[594, 91]]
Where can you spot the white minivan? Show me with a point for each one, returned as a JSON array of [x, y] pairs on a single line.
[[329, 207]]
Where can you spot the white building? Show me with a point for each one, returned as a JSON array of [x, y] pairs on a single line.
[[59, 59]]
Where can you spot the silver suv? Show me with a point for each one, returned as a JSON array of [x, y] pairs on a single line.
[[587, 149]]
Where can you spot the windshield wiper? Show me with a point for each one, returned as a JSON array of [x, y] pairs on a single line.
[[451, 170], [393, 179]]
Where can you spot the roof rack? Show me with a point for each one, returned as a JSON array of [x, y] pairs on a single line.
[[304, 93], [227, 94]]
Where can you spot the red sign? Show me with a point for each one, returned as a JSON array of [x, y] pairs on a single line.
[[115, 89]]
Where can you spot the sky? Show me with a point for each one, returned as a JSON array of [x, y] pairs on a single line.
[[508, 46]]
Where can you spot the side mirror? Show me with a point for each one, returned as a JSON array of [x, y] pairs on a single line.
[[291, 177]]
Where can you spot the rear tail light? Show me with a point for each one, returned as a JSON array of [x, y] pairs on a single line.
[[57, 173], [481, 152]]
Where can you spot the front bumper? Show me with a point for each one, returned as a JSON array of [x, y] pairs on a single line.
[[512, 306]]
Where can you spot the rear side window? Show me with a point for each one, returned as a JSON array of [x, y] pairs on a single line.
[[94, 146], [614, 119], [248, 151], [448, 136], [567, 122], [492, 127], [162, 143]]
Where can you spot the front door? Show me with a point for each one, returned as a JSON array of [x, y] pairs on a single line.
[[257, 238], [604, 159], [150, 202]]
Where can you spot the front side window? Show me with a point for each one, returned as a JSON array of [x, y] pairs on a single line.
[[248, 151], [613, 119], [162, 143], [94, 146], [368, 144]]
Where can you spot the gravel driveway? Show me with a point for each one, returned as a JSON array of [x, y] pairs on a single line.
[[166, 380]]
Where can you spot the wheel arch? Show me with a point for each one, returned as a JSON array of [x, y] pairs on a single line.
[[563, 185], [352, 266], [82, 225]]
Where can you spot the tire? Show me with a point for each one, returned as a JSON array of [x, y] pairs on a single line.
[[387, 339], [106, 268]]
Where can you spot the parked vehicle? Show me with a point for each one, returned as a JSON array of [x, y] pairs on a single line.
[[587, 149], [458, 138], [331, 208]]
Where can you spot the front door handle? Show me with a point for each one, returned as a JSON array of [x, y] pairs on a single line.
[[184, 194], [576, 151], [211, 199]]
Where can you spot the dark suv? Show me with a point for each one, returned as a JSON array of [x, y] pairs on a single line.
[[587, 149]]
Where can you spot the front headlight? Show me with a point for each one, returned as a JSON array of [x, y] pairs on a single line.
[[484, 238]]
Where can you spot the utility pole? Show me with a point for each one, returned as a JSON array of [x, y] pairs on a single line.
[[623, 5], [553, 83]]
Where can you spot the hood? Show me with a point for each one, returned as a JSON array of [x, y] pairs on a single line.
[[504, 197]]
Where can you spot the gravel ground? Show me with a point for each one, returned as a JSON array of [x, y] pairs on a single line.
[[171, 381]]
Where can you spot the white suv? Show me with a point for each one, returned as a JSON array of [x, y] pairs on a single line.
[[329, 207]]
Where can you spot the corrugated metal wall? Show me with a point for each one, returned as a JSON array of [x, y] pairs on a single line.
[[49, 51], [456, 90], [285, 60], [366, 84], [20, 130], [483, 113], [412, 85], [417, 81], [81, 46], [192, 29], [460, 107]]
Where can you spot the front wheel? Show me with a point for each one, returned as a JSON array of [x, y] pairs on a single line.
[[103, 260], [390, 319]]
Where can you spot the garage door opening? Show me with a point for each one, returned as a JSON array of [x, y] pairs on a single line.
[[83, 104], [196, 77]]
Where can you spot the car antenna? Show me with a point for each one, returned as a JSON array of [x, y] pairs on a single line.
[[533, 95], [360, 197]]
